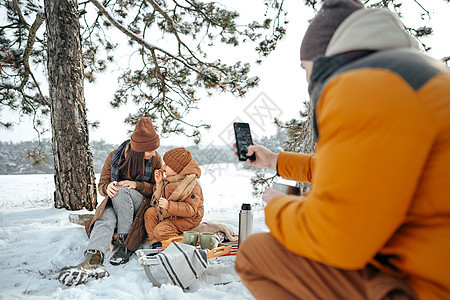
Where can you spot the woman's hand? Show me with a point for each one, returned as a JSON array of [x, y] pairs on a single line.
[[164, 203], [158, 176], [264, 157], [270, 194], [111, 189], [129, 184]]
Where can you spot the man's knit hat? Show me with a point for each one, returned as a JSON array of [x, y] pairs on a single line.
[[177, 158], [144, 137], [323, 26]]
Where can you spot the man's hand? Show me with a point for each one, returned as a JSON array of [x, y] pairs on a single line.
[[111, 189], [164, 203], [264, 157], [128, 184], [270, 194], [158, 176]]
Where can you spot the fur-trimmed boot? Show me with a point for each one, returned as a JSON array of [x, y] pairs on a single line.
[[122, 254], [91, 267]]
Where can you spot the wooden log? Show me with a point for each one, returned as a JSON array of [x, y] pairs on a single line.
[[80, 219]]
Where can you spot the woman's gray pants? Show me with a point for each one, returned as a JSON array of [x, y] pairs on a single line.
[[120, 214]]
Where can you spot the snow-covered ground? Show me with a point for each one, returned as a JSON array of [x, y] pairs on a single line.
[[37, 240]]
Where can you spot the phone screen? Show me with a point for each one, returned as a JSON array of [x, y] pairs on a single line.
[[243, 140]]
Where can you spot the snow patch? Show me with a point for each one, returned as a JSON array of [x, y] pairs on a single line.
[[37, 240]]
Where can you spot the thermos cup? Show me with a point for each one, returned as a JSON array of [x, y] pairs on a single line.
[[245, 222]]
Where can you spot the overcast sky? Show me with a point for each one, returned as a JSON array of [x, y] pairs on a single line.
[[280, 93]]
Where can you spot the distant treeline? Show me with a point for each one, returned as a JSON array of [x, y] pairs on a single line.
[[15, 158]]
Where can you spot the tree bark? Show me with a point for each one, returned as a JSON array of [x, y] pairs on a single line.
[[74, 172]]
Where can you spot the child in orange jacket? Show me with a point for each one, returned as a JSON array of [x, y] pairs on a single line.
[[177, 202]]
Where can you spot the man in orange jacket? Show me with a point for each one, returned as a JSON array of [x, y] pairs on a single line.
[[376, 224]]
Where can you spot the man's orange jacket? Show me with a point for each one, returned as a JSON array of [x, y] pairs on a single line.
[[381, 173]]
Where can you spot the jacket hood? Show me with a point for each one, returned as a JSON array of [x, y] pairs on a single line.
[[370, 29], [191, 168]]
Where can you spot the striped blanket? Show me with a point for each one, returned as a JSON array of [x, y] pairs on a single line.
[[182, 263]]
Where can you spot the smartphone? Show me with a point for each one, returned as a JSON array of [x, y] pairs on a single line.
[[243, 140]]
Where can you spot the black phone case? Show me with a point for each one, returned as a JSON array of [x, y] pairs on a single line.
[[243, 140]]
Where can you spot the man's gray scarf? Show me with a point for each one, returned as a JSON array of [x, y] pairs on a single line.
[[117, 158], [326, 68]]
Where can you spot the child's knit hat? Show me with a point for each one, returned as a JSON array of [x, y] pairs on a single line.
[[177, 158]]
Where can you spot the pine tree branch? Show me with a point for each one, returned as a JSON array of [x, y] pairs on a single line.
[[30, 42], [35, 127], [278, 16], [158, 73], [170, 21], [181, 120], [19, 14], [152, 16], [136, 38], [39, 88], [175, 32], [423, 8], [206, 17]]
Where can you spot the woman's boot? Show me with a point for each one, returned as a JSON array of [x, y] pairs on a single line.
[[91, 267], [122, 254]]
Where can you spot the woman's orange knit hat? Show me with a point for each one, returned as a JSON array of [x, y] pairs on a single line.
[[144, 137], [177, 158]]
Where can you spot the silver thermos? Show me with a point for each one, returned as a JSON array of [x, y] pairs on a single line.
[[245, 222]]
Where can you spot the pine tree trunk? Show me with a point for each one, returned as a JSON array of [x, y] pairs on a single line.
[[74, 172]]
